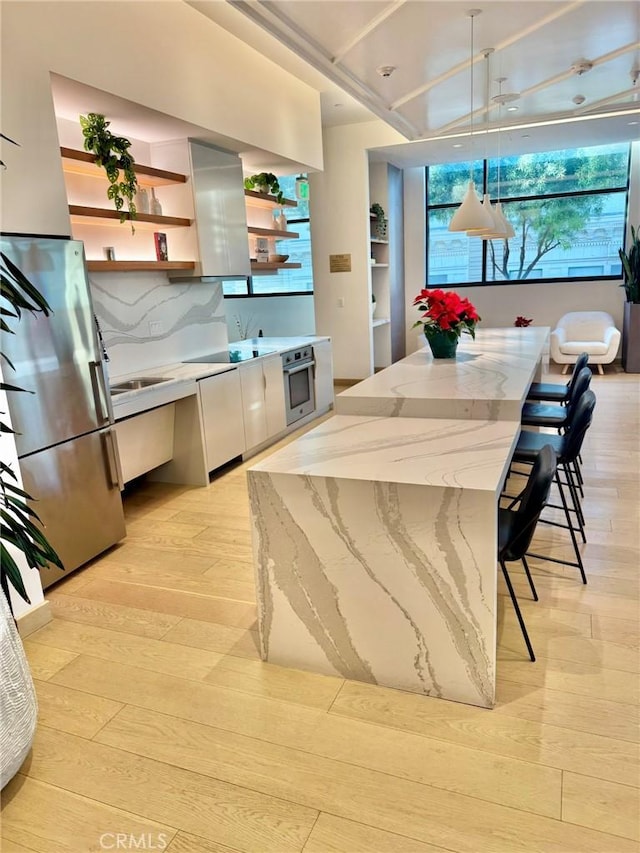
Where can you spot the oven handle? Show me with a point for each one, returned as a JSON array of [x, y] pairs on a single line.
[[298, 367]]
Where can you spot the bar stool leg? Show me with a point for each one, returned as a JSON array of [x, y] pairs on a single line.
[[516, 607]]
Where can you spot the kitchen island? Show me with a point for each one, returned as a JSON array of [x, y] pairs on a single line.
[[375, 534], [375, 551], [488, 379]]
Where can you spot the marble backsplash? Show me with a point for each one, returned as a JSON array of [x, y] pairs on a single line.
[[148, 322]]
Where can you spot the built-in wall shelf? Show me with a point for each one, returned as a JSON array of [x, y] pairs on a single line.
[[265, 200], [380, 242], [382, 321], [379, 266], [272, 232], [138, 266], [142, 220], [83, 163], [263, 266]]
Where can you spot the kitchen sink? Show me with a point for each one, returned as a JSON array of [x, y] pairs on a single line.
[[136, 384]]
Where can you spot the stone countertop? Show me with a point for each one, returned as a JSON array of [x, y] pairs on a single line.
[[181, 377], [458, 454], [488, 380]]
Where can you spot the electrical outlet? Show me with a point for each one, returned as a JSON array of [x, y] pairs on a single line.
[[156, 328]]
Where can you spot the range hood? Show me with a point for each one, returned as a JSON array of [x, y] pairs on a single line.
[[221, 220]]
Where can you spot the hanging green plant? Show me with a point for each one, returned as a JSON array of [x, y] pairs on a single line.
[[112, 154]]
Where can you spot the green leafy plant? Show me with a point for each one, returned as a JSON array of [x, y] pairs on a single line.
[[112, 154], [631, 267], [265, 182], [21, 525], [380, 220]]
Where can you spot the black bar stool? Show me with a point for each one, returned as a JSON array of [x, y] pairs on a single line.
[[557, 417], [516, 527], [553, 393]]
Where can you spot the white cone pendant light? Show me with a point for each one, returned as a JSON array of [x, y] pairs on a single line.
[[493, 224], [471, 215]]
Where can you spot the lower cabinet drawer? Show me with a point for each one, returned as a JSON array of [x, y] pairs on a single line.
[[145, 441]]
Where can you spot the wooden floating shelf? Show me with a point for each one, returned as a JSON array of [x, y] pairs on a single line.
[[272, 232], [83, 163], [77, 210], [138, 266], [266, 200], [269, 267]]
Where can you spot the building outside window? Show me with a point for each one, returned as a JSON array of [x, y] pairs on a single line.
[[285, 281], [568, 210]]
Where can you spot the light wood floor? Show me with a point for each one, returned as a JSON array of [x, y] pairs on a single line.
[[160, 726]]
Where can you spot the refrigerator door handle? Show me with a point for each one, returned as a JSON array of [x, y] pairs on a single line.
[[101, 395], [112, 458]]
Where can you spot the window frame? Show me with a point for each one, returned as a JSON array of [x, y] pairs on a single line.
[[487, 282]]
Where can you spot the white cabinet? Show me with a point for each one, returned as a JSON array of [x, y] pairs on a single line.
[[145, 441], [222, 417], [262, 400], [323, 376]]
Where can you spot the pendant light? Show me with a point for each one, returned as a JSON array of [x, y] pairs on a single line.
[[494, 230], [503, 229], [471, 214]]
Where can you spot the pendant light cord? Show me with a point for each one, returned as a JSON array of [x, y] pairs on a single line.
[[472, 14]]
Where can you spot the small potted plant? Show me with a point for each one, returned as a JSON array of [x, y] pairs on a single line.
[[631, 323], [265, 182], [522, 322], [446, 317], [380, 221]]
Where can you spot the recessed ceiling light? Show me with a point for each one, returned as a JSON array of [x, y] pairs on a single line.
[[459, 144], [526, 135], [512, 109], [633, 122]]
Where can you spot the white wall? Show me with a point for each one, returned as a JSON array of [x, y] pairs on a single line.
[[168, 57], [339, 210]]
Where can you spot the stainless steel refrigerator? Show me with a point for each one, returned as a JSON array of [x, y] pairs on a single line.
[[66, 441]]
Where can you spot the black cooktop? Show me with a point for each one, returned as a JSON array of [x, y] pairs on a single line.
[[230, 356]]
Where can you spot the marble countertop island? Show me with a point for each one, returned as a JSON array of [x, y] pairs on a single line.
[[375, 544], [488, 379]]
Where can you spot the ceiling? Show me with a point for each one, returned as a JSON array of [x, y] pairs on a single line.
[[552, 54]]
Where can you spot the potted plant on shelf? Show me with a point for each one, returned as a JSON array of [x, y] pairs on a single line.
[[446, 317], [631, 324], [112, 153], [265, 182], [380, 221]]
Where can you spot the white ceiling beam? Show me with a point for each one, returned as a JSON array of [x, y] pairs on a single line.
[[290, 35], [544, 84], [512, 39], [368, 28], [617, 96]]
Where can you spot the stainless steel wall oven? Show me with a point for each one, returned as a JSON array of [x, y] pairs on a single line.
[[299, 395]]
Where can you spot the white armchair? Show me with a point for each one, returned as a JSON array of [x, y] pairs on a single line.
[[593, 332]]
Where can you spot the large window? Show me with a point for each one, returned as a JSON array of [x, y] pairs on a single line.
[[567, 209], [293, 281]]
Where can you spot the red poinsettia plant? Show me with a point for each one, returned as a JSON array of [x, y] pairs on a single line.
[[445, 311], [522, 322]]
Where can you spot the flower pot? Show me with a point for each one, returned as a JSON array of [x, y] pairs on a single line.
[[631, 338], [442, 344]]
